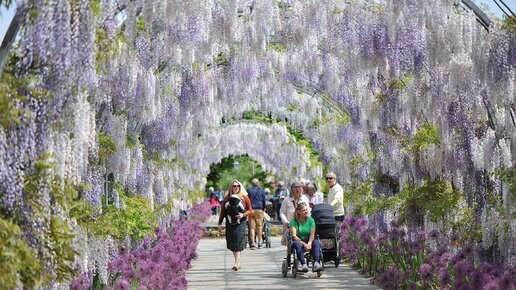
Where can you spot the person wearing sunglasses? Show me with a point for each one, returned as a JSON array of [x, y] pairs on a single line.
[[289, 205], [302, 231], [335, 196], [235, 231]]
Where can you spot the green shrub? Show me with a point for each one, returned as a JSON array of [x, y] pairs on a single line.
[[18, 262], [436, 197]]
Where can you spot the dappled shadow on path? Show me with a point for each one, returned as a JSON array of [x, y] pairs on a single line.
[[261, 269]]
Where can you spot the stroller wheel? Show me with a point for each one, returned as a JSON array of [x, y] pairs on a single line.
[[319, 273], [337, 262], [294, 271], [284, 268], [268, 244]]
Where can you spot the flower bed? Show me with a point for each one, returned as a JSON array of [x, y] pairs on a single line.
[[160, 262], [398, 261]]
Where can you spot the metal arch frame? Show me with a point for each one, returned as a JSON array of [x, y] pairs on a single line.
[[482, 18], [9, 38]]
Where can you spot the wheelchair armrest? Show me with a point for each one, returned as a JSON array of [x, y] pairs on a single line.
[[289, 238]]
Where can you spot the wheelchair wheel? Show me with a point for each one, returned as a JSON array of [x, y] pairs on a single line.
[[284, 268], [294, 271]]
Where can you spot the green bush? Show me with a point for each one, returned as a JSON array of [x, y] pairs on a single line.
[[436, 197], [136, 220], [18, 263]]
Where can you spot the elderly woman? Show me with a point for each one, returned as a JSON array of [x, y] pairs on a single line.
[[235, 231], [314, 196], [302, 230], [289, 204]]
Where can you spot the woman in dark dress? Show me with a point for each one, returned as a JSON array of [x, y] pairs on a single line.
[[235, 231]]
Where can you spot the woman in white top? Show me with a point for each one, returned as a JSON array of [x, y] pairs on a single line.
[[314, 196], [289, 205]]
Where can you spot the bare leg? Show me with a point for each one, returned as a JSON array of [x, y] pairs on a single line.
[[237, 259]]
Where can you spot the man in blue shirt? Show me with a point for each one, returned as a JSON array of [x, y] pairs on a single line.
[[257, 196]]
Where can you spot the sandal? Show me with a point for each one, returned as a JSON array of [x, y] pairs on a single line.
[[235, 268]]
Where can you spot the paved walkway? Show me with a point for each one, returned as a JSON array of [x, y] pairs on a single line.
[[261, 269]]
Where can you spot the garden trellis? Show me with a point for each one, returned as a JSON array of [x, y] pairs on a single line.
[[398, 90]]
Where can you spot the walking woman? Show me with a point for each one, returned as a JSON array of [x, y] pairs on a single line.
[[235, 219]]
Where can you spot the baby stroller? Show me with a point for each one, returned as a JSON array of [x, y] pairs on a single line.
[[326, 229], [290, 260], [269, 209], [265, 232]]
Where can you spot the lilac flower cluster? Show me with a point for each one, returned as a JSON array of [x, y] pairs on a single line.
[[93, 192], [398, 260]]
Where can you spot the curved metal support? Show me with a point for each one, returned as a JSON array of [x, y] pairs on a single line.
[[9, 38], [311, 91], [481, 16]]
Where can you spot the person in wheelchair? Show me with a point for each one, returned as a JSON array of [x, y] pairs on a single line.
[[302, 232]]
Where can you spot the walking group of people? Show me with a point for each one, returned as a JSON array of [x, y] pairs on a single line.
[[294, 206]]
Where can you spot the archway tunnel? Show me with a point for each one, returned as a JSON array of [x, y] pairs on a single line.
[[116, 107]]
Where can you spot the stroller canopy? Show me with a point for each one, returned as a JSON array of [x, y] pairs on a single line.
[[323, 214]]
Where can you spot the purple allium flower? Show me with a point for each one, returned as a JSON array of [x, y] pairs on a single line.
[[476, 279], [82, 281], [122, 284], [426, 271], [445, 259], [468, 250], [461, 270], [434, 234], [411, 286], [486, 268], [508, 281], [459, 283], [459, 256], [444, 277], [492, 285], [421, 235], [394, 235]]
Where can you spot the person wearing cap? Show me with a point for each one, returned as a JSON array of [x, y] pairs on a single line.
[[289, 205], [257, 196], [335, 196], [279, 195]]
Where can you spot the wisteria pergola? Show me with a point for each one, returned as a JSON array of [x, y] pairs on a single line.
[[150, 93]]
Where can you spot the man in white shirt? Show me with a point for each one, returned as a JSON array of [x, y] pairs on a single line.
[[335, 196]]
